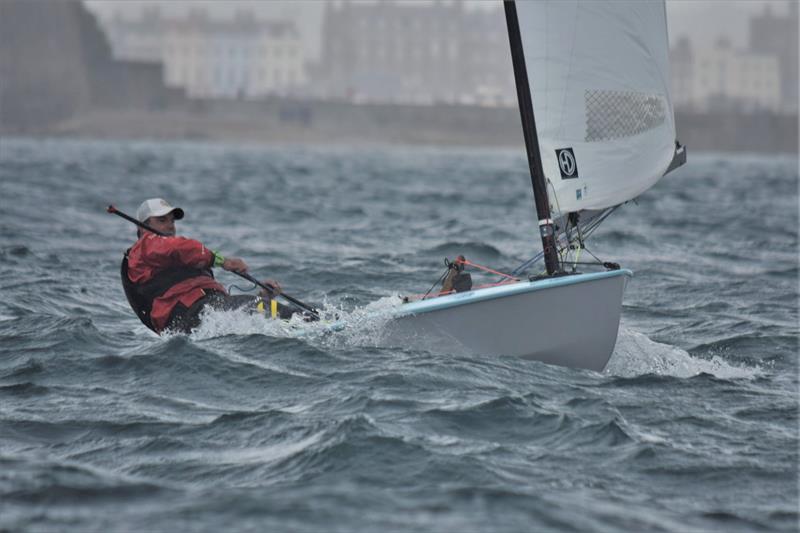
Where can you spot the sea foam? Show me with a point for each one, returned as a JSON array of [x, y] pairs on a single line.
[[636, 354]]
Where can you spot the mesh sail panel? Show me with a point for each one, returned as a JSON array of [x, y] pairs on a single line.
[[618, 114]]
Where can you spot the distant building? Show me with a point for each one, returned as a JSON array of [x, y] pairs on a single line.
[[239, 58], [65, 68], [724, 79], [682, 74], [487, 75], [136, 40], [777, 36], [728, 79], [414, 53]]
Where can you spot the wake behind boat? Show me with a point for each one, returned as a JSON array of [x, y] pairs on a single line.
[[604, 133]]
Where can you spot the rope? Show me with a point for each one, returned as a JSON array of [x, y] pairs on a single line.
[[589, 228], [509, 278], [461, 260], [590, 253], [233, 286], [436, 283], [445, 293], [487, 269], [577, 257], [487, 285], [561, 256], [555, 197]]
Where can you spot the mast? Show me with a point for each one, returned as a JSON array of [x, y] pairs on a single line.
[[546, 228]]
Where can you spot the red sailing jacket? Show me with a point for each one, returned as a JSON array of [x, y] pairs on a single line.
[[153, 255]]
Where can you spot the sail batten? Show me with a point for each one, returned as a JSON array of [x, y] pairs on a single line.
[[599, 80]]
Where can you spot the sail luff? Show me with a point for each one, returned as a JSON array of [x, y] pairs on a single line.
[[600, 89], [546, 228]]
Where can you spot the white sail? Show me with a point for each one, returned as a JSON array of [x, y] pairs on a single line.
[[599, 77]]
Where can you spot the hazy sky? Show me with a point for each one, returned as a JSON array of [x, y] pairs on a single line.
[[703, 21]]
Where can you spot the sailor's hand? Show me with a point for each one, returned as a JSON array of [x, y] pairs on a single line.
[[234, 264], [276, 289]]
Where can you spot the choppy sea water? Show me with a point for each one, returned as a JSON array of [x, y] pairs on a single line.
[[256, 426]]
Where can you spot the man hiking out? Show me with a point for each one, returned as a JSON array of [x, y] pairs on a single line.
[[168, 279]]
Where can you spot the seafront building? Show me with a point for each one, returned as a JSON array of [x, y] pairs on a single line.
[[775, 35], [681, 59], [724, 79], [424, 53], [415, 53], [241, 57], [762, 77]]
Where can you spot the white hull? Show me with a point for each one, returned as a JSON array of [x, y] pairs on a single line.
[[569, 321]]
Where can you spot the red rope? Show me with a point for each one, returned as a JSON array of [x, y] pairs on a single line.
[[414, 297], [460, 260], [487, 269]]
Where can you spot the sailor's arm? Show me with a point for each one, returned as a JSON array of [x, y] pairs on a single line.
[[171, 251], [231, 264]]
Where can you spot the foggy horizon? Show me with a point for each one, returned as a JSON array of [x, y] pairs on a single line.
[[100, 73], [692, 19]]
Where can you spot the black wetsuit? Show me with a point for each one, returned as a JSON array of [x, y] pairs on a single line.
[[184, 320]]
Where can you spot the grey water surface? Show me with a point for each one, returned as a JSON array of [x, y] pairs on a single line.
[[249, 425]]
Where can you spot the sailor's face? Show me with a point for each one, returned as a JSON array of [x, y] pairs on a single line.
[[165, 224]]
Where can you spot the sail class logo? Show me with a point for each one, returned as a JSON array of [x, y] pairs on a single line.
[[566, 163]]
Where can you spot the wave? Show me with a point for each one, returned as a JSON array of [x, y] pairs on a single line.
[[26, 389], [636, 354], [361, 326], [18, 250], [51, 482], [29, 368], [471, 249]]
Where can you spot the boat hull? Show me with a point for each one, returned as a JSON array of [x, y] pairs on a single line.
[[569, 321]]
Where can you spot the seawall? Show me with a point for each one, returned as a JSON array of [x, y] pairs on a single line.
[[292, 121]]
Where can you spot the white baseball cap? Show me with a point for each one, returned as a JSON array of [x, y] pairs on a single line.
[[157, 207]]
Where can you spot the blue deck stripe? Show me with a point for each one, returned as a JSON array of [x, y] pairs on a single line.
[[490, 293]]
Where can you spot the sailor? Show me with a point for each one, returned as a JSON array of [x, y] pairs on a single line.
[[168, 279]]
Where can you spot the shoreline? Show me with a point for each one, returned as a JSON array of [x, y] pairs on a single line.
[[315, 123]]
